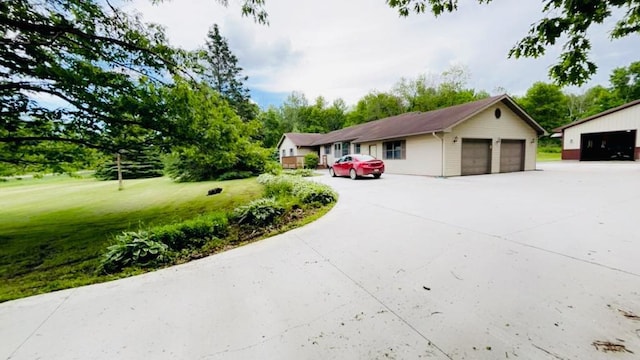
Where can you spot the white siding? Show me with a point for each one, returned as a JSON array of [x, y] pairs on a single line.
[[485, 126], [422, 156], [626, 119], [287, 145]]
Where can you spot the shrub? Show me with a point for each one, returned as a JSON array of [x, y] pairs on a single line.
[[192, 233], [260, 212], [273, 167], [311, 160], [299, 172], [266, 178], [278, 186], [232, 175], [314, 193], [133, 249]]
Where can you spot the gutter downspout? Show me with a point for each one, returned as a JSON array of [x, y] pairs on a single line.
[[443, 156]]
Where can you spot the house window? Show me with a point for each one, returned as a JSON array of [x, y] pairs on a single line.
[[337, 150], [345, 148], [356, 148], [284, 152], [327, 149], [394, 150], [291, 152]]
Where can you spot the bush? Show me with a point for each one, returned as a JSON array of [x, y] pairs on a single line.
[[273, 167], [259, 212], [192, 233], [299, 172], [277, 186], [307, 192], [314, 193], [232, 175], [311, 161], [134, 249]]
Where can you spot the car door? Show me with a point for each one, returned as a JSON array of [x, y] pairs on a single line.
[[336, 166], [345, 165]]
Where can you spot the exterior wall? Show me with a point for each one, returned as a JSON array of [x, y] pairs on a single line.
[[571, 154], [287, 145], [301, 151], [422, 156], [485, 126], [626, 119]]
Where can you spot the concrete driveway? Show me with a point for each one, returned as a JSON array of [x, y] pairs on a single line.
[[535, 265]]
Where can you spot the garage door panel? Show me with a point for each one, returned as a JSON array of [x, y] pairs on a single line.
[[476, 156], [511, 155]]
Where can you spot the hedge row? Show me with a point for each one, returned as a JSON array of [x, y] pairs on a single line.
[[158, 245]]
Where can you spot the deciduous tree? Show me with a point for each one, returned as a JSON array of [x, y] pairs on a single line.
[[547, 104], [80, 73], [563, 20]]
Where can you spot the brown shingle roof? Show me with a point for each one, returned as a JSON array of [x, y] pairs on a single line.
[[593, 117], [302, 139], [413, 123], [416, 123]]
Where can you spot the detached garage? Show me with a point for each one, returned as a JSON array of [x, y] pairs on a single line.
[[610, 135]]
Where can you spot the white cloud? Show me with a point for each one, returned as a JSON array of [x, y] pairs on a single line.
[[344, 49]]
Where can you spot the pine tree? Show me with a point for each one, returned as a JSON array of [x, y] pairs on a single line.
[[221, 71]]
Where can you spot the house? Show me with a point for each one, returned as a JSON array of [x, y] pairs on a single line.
[[292, 148], [609, 135], [486, 136]]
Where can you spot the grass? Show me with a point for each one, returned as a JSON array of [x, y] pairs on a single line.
[[53, 230], [548, 156]]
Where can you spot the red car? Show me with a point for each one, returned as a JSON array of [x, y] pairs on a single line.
[[357, 165]]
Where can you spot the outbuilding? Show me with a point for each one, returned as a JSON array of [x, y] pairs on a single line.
[[491, 135], [609, 135]]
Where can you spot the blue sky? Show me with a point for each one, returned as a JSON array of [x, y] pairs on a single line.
[[345, 49]]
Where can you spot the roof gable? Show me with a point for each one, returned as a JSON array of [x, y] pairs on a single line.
[[301, 139], [599, 115]]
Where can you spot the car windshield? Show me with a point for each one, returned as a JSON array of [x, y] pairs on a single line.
[[363, 157]]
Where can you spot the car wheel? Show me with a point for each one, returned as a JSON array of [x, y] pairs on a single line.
[[352, 174], [376, 176], [332, 173]]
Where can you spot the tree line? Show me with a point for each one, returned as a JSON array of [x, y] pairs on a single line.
[[547, 103]]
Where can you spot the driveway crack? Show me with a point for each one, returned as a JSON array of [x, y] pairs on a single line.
[[41, 324]]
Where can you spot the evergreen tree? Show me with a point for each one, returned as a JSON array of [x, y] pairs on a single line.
[[134, 165], [221, 71]]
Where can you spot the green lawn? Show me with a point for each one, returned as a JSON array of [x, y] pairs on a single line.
[[53, 230], [547, 156]]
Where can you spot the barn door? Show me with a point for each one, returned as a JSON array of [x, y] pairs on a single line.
[[476, 156]]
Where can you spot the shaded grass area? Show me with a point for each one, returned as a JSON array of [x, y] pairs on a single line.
[[53, 230]]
